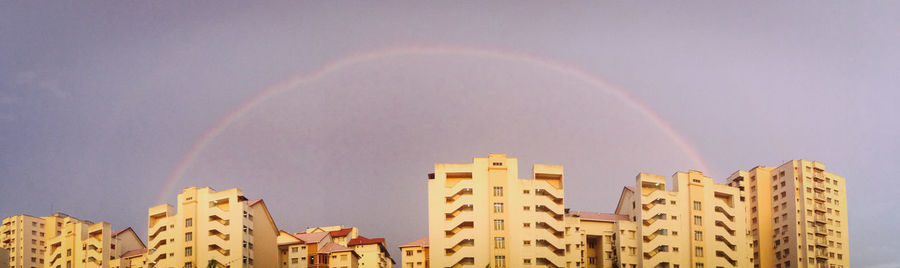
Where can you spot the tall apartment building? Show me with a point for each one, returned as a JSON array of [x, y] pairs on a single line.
[[415, 254], [482, 213], [695, 224], [797, 215], [222, 227], [63, 241]]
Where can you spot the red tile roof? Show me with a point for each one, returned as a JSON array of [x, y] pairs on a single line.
[[341, 232], [362, 240], [596, 216], [133, 253], [422, 242], [332, 247]]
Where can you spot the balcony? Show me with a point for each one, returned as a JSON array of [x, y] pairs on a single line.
[[651, 220], [462, 243], [820, 218], [819, 185], [730, 260], [819, 196], [819, 207], [650, 254], [461, 192], [461, 209], [648, 238], [820, 229]]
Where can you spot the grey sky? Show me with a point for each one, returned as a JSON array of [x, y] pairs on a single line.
[[99, 101]]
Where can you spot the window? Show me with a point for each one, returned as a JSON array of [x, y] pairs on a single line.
[[698, 236], [409, 253], [499, 261], [294, 249], [295, 260], [697, 205], [499, 242], [188, 251], [498, 225], [498, 207], [188, 222], [188, 236], [188, 265], [498, 191], [698, 265], [698, 220], [526, 225], [698, 251]]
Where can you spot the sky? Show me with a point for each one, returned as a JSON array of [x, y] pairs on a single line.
[[335, 112]]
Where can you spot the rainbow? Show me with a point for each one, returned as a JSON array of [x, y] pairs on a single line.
[[296, 80]]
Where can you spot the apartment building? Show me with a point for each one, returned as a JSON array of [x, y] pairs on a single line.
[[60, 240], [316, 250], [219, 227], [415, 254], [482, 213], [332, 246], [695, 224], [796, 214], [601, 240]]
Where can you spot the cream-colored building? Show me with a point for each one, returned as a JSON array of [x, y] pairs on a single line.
[[4, 258], [64, 241], [482, 213], [222, 227], [415, 254], [797, 215], [332, 246], [695, 223], [601, 240]]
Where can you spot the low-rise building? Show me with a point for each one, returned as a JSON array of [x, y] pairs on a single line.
[[415, 254]]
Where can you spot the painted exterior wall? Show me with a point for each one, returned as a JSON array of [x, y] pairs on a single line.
[[697, 222], [797, 215], [61, 240], [211, 225], [481, 213], [414, 257]]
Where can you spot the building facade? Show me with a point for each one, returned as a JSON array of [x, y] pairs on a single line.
[[60, 240], [695, 224], [482, 213], [332, 246], [797, 215], [415, 254], [219, 227]]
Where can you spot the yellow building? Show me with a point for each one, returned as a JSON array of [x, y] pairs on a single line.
[[332, 246], [482, 213], [601, 240], [222, 227], [415, 254], [63, 241], [797, 215], [695, 224]]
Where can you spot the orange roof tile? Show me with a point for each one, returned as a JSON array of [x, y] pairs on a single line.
[[332, 247], [311, 237], [422, 242], [116, 233], [133, 253]]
